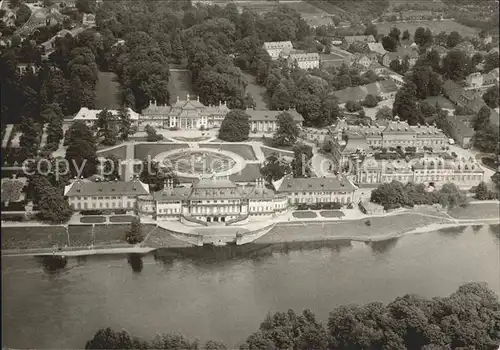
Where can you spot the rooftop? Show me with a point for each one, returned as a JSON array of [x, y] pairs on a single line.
[[291, 184], [111, 188], [91, 114]]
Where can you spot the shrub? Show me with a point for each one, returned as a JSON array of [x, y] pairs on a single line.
[[370, 101], [134, 236], [353, 106], [368, 222]]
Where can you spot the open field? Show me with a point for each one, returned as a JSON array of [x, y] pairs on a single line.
[[257, 91], [107, 91], [119, 152], [142, 150], [476, 211], [249, 173], [304, 214], [245, 151], [180, 85], [434, 26]]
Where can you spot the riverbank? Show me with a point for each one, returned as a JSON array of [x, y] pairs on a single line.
[[39, 241]]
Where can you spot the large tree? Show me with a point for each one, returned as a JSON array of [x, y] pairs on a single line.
[[106, 126], [274, 168], [491, 96], [453, 39], [81, 151], [405, 104], [455, 65], [287, 130], [235, 127]]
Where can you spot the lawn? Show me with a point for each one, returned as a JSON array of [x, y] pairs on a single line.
[[443, 102], [257, 91], [121, 218], [435, 26], [179, 85], [80, 235], [260, 7], [141, 151], [331, 213], [92, 219], [161, 238], [248, 174], [110, 234], [33, 237], [245, 151], [107, 91], [281, 153], [304, 214], [476, 211], [119, 152]]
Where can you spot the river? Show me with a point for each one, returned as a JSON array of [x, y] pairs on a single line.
[[223, 293]]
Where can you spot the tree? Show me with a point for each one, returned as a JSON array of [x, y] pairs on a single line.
[[455, 65], [405, 65], [405, 104], [423, 37], [173, 341], [134, 235], [23, 13], [395, 33], [491, 96], [274, 168], [481, 191], [177, 48], [81, 152], [106, 127], [53, 207], [450, 196], [125, 124], [370, 101], [453, 39], [155, 174], [353, 106], [395, 65], [390, 195], [496, 180], [86, 6], [371, 29], [152, 136], [406, 35], [30, 138], [287, 130], [491, 61], [106, 338], [235, 127], [11, 190], [384, 113], [300, 164], [482, 119], [214, 345], [389, 43]]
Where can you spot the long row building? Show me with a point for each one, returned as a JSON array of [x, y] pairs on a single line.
[[207, 200], [191, 114]]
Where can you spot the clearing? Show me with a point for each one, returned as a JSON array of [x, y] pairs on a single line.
[[179, 84], [435, 26], [107, 91], [257, 91]]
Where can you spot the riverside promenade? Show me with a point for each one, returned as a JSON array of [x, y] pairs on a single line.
[[353, 226]]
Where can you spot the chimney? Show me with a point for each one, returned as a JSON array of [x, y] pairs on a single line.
[[198, 98], [220, 103], [187, 97], [177, 98]]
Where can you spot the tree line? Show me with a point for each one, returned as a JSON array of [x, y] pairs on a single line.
[[468, 318]]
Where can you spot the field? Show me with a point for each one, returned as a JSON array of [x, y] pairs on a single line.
[[434, 26], [258, 92], [107, 91], [245, 151], [476, 211], [431, 5], [180, 85], [248, 174], [119, 152], [142, 150]]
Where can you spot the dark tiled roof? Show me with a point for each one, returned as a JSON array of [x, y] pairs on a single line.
[[290, 184], [112, 188]]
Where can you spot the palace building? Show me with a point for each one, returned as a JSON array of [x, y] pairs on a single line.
[[207, 200]]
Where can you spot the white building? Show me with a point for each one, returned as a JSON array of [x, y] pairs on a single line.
[[89, 116], [275, 48], [304, 60]]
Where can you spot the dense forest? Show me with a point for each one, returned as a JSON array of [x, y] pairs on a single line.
[[467, 319]]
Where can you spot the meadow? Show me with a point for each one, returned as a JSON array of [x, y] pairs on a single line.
[[435, 26]]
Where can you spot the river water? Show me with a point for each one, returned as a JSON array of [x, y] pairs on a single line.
[[224, 293]]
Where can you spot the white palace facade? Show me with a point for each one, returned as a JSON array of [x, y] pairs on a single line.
[[207, 200], [191, 114]]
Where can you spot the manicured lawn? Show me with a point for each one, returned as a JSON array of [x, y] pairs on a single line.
[[121, 218], [141, 151], [92, 219], [161, 238], [435, 27], [257, 91], [80, 235], [33, 237], [281, 153], [245, 151], [476, 211], [179, 84], [107, 91], [304, 214], [110, 234], [331, 213], [248, 174], [119, 152]]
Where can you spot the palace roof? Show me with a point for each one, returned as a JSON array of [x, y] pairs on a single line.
[[277, 45], [91, 114], [110, 188], [323, 184]]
